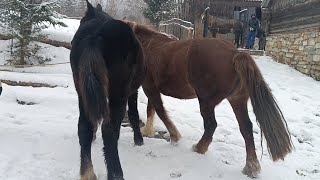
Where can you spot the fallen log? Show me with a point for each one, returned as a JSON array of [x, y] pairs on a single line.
[[16, 83], [5, 37], [56, 43], [45, 41]]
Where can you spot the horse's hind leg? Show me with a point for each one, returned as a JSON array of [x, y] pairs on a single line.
[[95, 128], [110, 135], [210, 124], [134, 118], [239, 105], [85, 133], [148, 129], [156, 101]]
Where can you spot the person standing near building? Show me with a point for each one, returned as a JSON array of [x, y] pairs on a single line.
[[253, 26], [261, 34], [0, 87]]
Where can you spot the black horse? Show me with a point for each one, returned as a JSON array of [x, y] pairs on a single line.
[[108, 67]]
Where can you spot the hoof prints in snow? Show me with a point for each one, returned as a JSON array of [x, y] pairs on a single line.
[[175, 175], [302, 172], [162, 135], [25, 103]]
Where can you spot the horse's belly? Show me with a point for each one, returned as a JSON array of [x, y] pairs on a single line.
[[180, 90]]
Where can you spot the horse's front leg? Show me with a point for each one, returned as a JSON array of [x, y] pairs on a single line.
[[134, 118], [110, 136], [148, 129], [85, 133], [154, 98]]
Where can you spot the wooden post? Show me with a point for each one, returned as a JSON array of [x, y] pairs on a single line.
[[205, 24]]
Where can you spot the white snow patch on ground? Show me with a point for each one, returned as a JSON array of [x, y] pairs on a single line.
[[55, 54], [40, 141]]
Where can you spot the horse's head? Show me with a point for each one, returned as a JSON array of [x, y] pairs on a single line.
[[92, 20], [95, 13]]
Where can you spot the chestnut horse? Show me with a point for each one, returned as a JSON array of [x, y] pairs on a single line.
[[211, 70], [108, 67]]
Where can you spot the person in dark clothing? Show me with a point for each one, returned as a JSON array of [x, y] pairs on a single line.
[[261, 34], [0, 87], [253, 26]]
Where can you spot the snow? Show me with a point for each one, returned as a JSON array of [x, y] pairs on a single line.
[[59, 58], [58, 33], [40, 141]]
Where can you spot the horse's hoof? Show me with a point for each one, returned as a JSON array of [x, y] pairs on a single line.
[[175, 137], [252, 168], [138, 140], [115, 177], [118, 178], [148, 132], [195, 148], [89, 175]]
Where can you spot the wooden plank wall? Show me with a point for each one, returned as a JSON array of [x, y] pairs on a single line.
[[282, 4], [296, 18]]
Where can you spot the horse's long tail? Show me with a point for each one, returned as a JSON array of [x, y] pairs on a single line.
[[93, 84], [269, 116]]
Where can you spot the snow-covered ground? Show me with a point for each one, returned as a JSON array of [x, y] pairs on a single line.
[[39, 141]]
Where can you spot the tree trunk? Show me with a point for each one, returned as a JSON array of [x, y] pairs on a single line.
[[22, 53]]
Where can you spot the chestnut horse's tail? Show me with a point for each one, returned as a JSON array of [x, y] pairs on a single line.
[[268, 114], [93, 84]]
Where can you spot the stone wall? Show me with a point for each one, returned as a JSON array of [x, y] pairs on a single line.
[[299, 50]]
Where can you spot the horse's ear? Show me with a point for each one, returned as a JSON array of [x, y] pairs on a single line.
[[90, 9], [99, 8]]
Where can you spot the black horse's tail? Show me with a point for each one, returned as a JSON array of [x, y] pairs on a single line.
[[93, 84]]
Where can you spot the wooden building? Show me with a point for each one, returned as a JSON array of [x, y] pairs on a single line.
[[293, 28], [191, 10]]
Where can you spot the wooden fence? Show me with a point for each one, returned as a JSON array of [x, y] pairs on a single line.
[[179, 28]]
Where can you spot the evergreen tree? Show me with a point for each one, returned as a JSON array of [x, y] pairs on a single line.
[[159, 10], [25, 19]]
